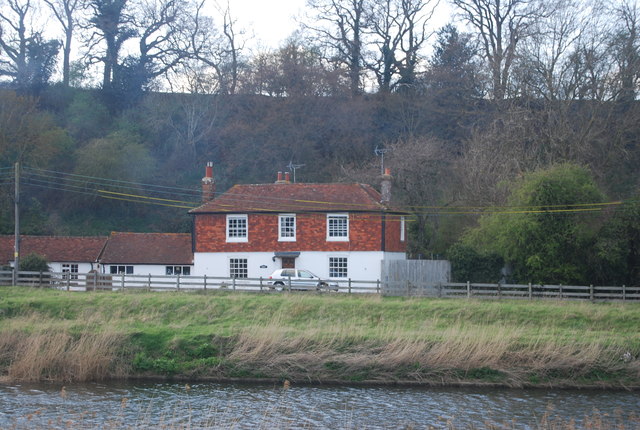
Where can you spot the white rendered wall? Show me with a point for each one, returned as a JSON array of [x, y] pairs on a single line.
[[82, 267], [143, 269], [362, 265]]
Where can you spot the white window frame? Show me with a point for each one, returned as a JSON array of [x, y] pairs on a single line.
[[402, 229], [330, 234], [235, 264], [283, 228], [173, 270], [70, 270], [121, 269], [333, 263], [233, 232]]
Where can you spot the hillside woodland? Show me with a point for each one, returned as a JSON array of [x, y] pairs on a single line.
[[512, 134]]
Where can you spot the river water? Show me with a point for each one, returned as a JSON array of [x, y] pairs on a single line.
[[142, 405]]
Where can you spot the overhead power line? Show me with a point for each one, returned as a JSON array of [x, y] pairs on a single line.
[[186, 198]]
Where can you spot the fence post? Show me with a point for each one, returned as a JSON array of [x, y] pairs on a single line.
[[377, 286], [624, 293], [560, 292], [591, 292], [178, 282], [260, 283], [40, 280], [149, 283], [95, 281], [123, 276], [349, 285], [499, 290], [233, 283], [530, 291], [439, 289], [69, 281], [468, 289], [289, 283], [205, 282]]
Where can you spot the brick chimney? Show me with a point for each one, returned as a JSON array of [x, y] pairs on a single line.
[[208, 184], [280, 180], [385, 186], [287, 177]]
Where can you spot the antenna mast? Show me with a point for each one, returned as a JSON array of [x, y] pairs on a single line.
[[293, 168], [380, 153]]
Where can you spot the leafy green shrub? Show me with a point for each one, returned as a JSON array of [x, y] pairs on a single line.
[[34, 263], [467, 264]]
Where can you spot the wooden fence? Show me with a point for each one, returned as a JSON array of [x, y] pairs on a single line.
[[532, 291], [99, 281], [122, 282]]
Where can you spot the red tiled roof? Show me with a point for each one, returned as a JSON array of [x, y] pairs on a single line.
[[72, 249], [299, 197], [148, 248]]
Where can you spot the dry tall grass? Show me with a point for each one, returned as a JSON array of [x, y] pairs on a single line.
[[51, 355], [339, 353]]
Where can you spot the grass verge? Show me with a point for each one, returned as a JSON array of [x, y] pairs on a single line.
[[56, 335]]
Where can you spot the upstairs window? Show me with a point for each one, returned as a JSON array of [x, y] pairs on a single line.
[[337, 227], [287, 228], [237, 228]]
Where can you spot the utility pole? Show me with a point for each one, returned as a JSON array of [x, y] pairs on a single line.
[[16, 254]]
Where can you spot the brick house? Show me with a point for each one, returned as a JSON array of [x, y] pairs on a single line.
[[147, 254], [336, 230]]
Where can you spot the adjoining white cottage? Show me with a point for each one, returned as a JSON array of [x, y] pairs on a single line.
[[65, 254], [147, 254]]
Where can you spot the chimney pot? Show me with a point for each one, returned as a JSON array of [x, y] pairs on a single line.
[[208, 183], [287, 177]]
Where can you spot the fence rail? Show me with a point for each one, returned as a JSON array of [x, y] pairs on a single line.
[[122, 282], [100, 281]]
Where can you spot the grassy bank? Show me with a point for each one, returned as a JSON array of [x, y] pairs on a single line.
[[55, 335]]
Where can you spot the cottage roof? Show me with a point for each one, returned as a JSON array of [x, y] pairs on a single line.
[[300, 197], [148, 248], [60, 249]]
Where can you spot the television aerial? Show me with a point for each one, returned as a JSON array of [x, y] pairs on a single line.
[[380, 153], [293, 168]]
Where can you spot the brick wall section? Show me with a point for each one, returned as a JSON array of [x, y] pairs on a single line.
[[365, 234], [392, 235]]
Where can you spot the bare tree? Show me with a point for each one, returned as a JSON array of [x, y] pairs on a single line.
[[400, 30], [220, 51], [500, 27], [113, 25], [545, 69], [66, 11], [25, 56], [340, 25], [625, 49]]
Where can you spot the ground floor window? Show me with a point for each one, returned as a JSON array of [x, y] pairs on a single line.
[[120, 270], [178, 270], [238, 268], [338, 267], [70, 271]]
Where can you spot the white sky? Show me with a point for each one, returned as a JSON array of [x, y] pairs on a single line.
[[269, 21]]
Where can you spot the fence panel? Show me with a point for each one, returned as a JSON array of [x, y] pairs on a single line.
[[392, 286]]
